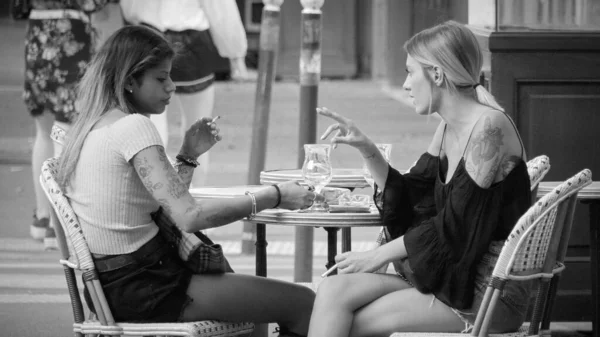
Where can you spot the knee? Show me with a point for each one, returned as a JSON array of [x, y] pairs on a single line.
[[333, 289]]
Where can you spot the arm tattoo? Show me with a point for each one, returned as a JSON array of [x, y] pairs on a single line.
[[484, 153], [145, 171]]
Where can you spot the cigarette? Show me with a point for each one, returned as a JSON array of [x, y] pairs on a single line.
[[215, 119], [330, 270]]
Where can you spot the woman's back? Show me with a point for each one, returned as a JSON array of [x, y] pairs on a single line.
[[106, 192]]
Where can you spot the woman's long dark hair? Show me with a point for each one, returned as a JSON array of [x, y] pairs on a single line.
[[126, 55]]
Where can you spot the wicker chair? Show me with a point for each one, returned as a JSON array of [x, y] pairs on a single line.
[[76, 255], [535, 249]]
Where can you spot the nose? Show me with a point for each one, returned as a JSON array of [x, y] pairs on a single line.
[[170, 87], [406, 85]]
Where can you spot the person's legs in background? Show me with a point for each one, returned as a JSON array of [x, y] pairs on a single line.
[[42, 150], [194, 106]]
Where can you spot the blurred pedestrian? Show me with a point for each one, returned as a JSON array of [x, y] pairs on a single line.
[[58, 46], [201, 31]]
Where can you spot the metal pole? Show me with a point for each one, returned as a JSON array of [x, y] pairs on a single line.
[[310, 74], [267, 61]]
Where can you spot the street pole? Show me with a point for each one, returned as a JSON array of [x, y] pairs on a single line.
[[310, 74], [267, 61]]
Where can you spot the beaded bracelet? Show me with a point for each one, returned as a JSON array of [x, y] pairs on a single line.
[[278, 195], [253, 212]]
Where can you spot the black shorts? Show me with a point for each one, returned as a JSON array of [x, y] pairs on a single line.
[[151, 286], [195, 60]]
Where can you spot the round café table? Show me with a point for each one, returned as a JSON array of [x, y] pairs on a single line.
[[589, 195], [331, 222], [350, 178]]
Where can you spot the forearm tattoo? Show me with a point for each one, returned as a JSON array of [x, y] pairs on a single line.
[[484, 154]]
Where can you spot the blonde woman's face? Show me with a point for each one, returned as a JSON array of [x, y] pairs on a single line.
[[418, 86], [152, 93]]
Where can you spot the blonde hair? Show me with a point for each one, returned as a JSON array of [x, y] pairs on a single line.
[[126, 55], [454, 48]]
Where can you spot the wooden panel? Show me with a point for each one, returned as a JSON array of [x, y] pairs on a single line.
[[560, 119], [550, 84]]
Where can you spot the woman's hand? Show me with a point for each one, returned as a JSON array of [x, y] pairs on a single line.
[[294, 196], [357, 262], [347, 131], [200, 137]]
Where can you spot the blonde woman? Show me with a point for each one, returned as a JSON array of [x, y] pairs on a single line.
[[115, 172], [463, 194]]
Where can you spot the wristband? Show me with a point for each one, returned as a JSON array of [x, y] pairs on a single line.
[[278, 195], [191, 161]]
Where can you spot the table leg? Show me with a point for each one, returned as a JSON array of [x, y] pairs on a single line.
[[346, 239], [331, 247], [261, 250], [594, 239]]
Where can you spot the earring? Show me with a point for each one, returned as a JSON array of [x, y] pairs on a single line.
[[130, 91]]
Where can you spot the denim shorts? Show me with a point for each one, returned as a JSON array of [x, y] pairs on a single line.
[[149, 285], [511, 307]]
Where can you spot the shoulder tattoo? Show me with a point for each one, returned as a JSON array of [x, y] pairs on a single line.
[[484, 152]]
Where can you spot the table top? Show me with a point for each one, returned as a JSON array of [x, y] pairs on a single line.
[[308, 219], [591, 191], [286, 217], [342, 177]]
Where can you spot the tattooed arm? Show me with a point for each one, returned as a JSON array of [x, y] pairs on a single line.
[[185, 172], [492, 152], [171, 192]]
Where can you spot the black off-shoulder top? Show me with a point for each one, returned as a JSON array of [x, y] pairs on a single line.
[[447, 227]]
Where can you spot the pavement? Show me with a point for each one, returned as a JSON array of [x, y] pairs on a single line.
[[30, 279]]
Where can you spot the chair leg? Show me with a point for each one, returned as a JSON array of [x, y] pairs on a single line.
[[482, 309], [489, 314], [538, 307], [549, 303]]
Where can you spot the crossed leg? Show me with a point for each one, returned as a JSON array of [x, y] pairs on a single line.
[[377, 305], [245, 298]]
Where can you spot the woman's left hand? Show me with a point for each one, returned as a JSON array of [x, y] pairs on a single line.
[[357, 262], [200, 137]]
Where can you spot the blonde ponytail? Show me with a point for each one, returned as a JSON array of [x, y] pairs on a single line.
[[486, 98]]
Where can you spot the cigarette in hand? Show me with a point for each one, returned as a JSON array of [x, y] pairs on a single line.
[[215, 119], [330, 270]]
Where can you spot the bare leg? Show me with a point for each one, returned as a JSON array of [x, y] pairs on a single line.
[[246, 298], [359, 306], [194, 106], [43, 149], [405, 311]]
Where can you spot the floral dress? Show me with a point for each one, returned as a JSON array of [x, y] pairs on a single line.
[[58, 46]]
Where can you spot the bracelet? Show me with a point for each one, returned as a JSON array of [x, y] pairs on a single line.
[[278, 195], [253, 212], [187, 160]]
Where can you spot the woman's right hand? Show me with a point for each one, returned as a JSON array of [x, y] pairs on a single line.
[[294, 196], [347, 131]]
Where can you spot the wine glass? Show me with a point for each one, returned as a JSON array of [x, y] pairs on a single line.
[[317, 171], [386, 151]]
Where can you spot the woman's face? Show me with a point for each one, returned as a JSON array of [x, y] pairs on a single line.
[[418, 84], [152, 91]]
